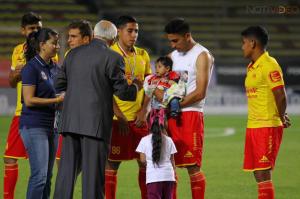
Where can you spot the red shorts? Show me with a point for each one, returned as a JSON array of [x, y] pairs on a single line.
[[123, 147], [187, 133], [261, 147], [14, 144], [58, 152]]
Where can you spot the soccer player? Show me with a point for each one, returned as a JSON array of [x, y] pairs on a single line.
[[193, 59], [79, 33], [129, 124], [266, 109], [14, 146]]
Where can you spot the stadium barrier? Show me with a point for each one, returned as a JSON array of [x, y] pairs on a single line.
[[220, 100]]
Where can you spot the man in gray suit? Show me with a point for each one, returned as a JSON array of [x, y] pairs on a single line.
[[90, 75]]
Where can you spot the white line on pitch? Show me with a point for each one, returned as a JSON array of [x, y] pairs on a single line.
[[225, 132]]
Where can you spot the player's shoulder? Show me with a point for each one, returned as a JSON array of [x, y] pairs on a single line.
[[114, 47], [140, 51], [205, 56], [114, 55], [269, 61], [19, 48]]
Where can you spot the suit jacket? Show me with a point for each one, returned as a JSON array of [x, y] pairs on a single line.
[[90, 75]]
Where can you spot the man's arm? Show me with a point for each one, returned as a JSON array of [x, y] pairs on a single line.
[[143, 159], [122, 120], [16, 67], [203, 71], [31, 101], [15, 76], [117, 110], [172, 159], [141, 116], [121, 88], [280, 99]]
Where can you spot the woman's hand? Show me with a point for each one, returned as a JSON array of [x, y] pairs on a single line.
[[60, 98]]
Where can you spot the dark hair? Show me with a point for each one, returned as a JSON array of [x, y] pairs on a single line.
[[177, 26], [166, 61], [125, 19], [84, 27], [34, 39], [156, 130], [30, 18], [259, 33]]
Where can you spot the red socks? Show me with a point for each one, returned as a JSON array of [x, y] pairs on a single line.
[[10, 179], [265, 190], [110, 184], [142, 183], [198, 185]]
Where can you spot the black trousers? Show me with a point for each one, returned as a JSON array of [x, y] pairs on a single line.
[[86, 154]]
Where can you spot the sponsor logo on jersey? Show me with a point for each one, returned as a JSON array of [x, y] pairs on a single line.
[[275, 76]]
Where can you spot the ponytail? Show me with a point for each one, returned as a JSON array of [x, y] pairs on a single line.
[[32, 45], [156, 130], [35, 38]]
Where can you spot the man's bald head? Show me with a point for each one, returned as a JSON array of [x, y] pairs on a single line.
[[105, 30]]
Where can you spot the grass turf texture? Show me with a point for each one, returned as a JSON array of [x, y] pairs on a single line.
[[222, 164]]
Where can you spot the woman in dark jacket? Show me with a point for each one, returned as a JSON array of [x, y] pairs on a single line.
[[37, 118]]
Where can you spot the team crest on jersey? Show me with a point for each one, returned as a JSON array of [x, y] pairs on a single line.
[[275, 76], [44, 76]]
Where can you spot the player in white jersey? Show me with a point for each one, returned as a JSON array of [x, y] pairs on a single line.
[[196, 63]]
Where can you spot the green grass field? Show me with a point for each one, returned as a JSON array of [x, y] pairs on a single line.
[[222, 164]]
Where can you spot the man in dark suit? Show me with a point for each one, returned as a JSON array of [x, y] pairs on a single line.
[[90, 75]]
